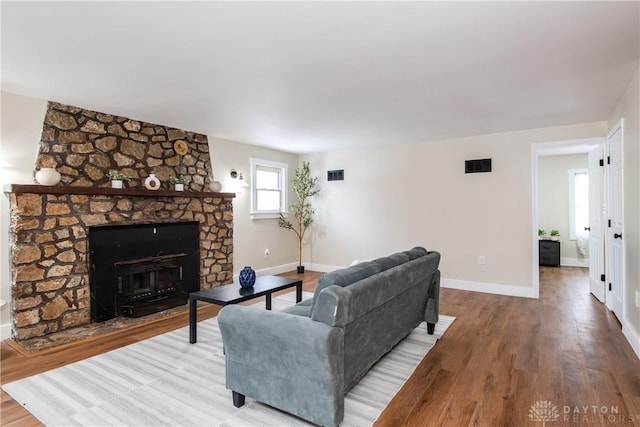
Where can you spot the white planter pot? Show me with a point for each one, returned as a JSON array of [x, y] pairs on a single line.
[[48, 176], [179, 187], [116, 183]]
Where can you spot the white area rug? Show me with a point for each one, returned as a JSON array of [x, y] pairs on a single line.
[[165, 381]]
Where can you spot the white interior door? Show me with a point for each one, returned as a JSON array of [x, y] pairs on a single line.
[[597, 209], [614, 248]]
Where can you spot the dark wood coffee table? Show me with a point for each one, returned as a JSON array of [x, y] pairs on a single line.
[[234, 294]]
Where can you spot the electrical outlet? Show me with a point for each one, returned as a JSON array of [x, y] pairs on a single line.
[[267, 252], [638, 299], [482, 260]]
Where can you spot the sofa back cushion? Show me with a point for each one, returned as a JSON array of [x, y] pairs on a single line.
[[416, 252], [387, 262], [345, 277], [339, 306], [350, 275]]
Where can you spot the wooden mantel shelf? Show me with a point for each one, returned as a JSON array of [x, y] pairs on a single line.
[[107, 191]]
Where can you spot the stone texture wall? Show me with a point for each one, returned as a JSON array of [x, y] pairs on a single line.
[[49, 248], [84, 145]]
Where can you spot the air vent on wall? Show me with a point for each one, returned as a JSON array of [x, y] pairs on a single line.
[[478, 165], [335, 175]]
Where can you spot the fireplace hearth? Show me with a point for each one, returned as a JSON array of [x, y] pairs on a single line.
[[137, 270]]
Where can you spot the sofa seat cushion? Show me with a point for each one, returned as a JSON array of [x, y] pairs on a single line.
[[299, 310]]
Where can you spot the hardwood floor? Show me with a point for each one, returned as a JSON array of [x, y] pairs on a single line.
[[500, 357], [503, 354]]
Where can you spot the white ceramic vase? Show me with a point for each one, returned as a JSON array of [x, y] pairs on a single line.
[[179, 187], [116, 183], [215, 186], [152, 183], [48, 176]]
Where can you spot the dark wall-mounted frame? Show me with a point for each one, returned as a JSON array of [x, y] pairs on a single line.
[[477, 165]]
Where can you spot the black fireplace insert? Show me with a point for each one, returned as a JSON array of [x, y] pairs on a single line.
[[140, 269]]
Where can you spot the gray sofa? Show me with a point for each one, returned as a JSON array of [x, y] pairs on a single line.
[[303, 360]]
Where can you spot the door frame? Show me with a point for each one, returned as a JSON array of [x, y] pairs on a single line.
[[542, 149]]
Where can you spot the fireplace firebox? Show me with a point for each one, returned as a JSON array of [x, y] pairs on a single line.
[[141, 269]]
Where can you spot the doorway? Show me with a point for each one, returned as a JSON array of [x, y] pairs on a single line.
[[555, 167]]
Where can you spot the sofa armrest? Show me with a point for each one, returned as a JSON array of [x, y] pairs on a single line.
[[290, 362]]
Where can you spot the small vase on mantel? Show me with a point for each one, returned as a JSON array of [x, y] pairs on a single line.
[[116, 183], [152, 182], [179, 187], [214, 185], [48, 176]]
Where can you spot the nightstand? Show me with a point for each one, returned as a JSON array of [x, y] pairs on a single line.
[[549, 253]]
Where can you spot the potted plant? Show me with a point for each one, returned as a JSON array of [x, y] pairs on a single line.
[[178, 182], [555, 234], [541, 234], [117, 178], [304, 186]]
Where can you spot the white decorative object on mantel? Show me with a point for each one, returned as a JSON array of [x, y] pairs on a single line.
[[179, 187], [48, 176], [116, 183], [152, 183], [215, 186]]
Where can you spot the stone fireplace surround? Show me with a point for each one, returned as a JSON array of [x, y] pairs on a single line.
[[49, 227], [49, 224]]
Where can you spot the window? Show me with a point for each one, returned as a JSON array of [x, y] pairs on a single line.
[[578, 202], [268, 188]]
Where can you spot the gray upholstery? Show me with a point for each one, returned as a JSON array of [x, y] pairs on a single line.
[[299, 310], [391, 261], [304, 359], [344, 277]]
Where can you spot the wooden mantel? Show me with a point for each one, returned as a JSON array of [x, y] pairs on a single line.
[[107, 191]]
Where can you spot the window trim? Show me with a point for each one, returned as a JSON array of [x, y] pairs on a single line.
[[284, 188], [572, 198]]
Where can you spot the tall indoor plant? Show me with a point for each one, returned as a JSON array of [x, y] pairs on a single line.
[[304, 186]]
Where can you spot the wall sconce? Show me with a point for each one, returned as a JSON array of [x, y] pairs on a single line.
[[238, 175]]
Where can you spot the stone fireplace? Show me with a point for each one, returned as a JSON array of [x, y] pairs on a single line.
[[50, 247]]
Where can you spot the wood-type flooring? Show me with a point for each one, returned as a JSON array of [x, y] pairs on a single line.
[[502, 356]]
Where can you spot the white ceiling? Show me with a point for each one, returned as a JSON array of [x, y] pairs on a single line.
[[318, 76]]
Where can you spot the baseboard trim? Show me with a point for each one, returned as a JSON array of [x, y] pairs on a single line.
[[464, 285], [574, 262], [631, 336], [278, 269], [322, 268], [490, 288], [284, 268]]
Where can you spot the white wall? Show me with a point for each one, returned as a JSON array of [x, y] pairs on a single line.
[[252, 237], [395, 197], [628, 109], [553, 202], [22, 119]]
